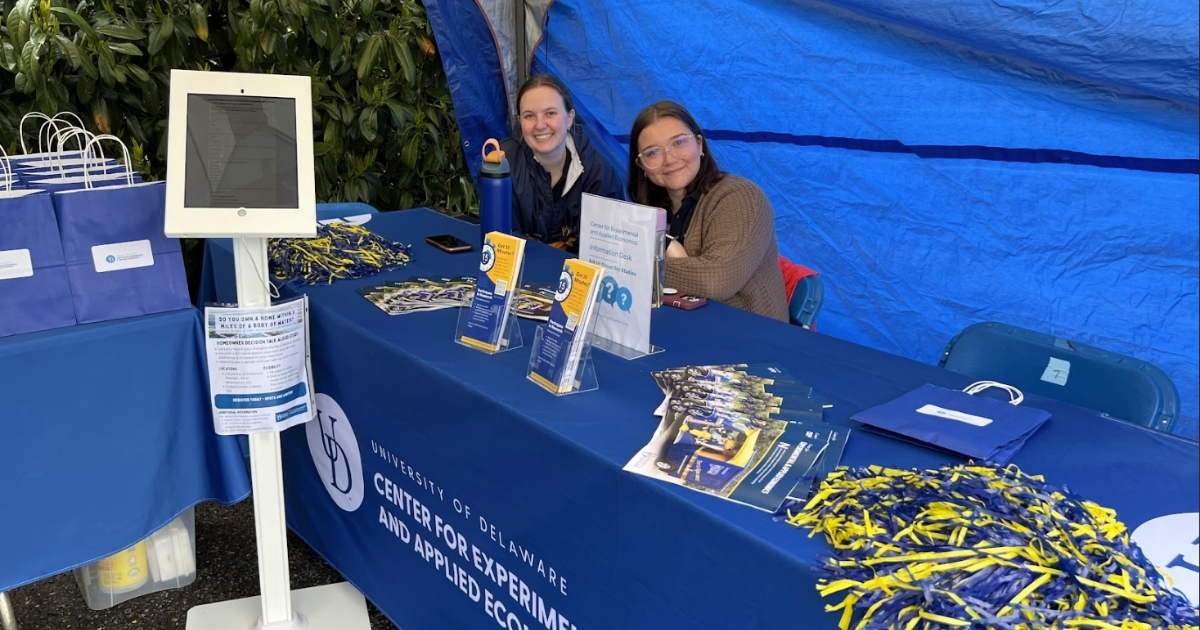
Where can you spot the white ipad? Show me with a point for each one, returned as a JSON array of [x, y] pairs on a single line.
[[240, 156]]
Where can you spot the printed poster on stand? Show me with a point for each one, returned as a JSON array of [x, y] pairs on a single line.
[[258, 370]]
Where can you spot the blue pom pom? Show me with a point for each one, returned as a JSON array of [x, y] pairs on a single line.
[[339, 251], [978, 546]]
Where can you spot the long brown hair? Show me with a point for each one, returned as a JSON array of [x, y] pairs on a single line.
[[641, 189]]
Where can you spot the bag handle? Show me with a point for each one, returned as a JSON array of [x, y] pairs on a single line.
[[21, 129], [48, 130], [1014, 395], [87, 174], [53, 121], [61, 138], [8, 173], [72, 115]]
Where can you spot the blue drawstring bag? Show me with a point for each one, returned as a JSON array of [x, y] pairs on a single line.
[[978, 427], [119, 261]]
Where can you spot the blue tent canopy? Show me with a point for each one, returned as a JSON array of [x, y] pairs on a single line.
[[940, 162]]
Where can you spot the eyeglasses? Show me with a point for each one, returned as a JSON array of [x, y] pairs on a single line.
[[653, 157]]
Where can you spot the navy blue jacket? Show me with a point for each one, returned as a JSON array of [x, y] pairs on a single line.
[[536, 214]]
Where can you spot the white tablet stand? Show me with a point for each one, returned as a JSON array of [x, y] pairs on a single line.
[[331, 607]]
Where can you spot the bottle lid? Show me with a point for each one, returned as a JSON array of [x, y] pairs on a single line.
[[494, 162]]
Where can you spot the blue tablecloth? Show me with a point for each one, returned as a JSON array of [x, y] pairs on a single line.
[[433, 465], [107, 436]]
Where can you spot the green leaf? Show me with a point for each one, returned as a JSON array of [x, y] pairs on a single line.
[[366, 58], [168, 28], [403, 113], [77, 19], [138, 73], [368, 123], [69, 50], [30, 63], [368, 7], [8, 56], [125, 48], [156, 40], [408, 155], [333, 133], [106, 53], [321, 148], [135, 128], [106, 71], [131, 99], [200, 21], [183, 31], [335, 55], [266, 41], [319, 30], [404, 56], [121, 31], [85, 89]]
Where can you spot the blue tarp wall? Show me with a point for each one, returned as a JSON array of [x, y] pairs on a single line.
[[940, 162]]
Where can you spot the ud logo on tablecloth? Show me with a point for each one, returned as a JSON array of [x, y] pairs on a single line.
[[1172, 543], [335, 454]]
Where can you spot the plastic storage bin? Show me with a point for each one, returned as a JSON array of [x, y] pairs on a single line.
[[167, 559]]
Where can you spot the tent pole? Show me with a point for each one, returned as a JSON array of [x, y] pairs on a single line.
[[522, 52]]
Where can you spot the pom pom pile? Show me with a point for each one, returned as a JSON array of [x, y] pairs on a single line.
[[976, 546], [339, 251]]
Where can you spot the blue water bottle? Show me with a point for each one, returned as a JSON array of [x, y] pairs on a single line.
[[495, 192]]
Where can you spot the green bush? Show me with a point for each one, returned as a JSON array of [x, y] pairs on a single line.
[[384, 127]]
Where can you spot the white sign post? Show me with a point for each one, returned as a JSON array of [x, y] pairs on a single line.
[[620, 236], [240, 165]]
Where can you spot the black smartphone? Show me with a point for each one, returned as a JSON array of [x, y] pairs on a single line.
[[449, 243], [685, 302]]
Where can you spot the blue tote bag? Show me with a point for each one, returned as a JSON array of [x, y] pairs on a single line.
[[34, 291], [978, 427], [119, 262]]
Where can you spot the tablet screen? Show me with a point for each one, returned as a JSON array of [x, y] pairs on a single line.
[[241, 152]]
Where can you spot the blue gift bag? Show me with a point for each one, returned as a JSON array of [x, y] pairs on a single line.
[[34, 291], [73, 180], [119, 262], [978, 427]]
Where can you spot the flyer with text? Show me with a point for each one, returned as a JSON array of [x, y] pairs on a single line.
[[500, 265], [556, 360], [258, 367], [620, 237]]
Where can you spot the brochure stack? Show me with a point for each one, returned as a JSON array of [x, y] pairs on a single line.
[[489, 324], [565, 340]]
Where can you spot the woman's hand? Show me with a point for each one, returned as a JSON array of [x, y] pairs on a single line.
[[675, 250]]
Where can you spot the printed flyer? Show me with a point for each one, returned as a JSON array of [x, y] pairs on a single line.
[[258, 367], [500, 265], [746, 433], [565, 335]]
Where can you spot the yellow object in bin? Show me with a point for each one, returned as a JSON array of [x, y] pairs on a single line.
[[123, 571]]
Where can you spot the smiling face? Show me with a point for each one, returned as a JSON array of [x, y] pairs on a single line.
[[680, 154], [544, 121]]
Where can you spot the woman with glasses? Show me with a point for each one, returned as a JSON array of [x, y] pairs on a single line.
[[552, 166], [721, 232]]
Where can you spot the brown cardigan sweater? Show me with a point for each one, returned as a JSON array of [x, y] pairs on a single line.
[[732, 253]]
